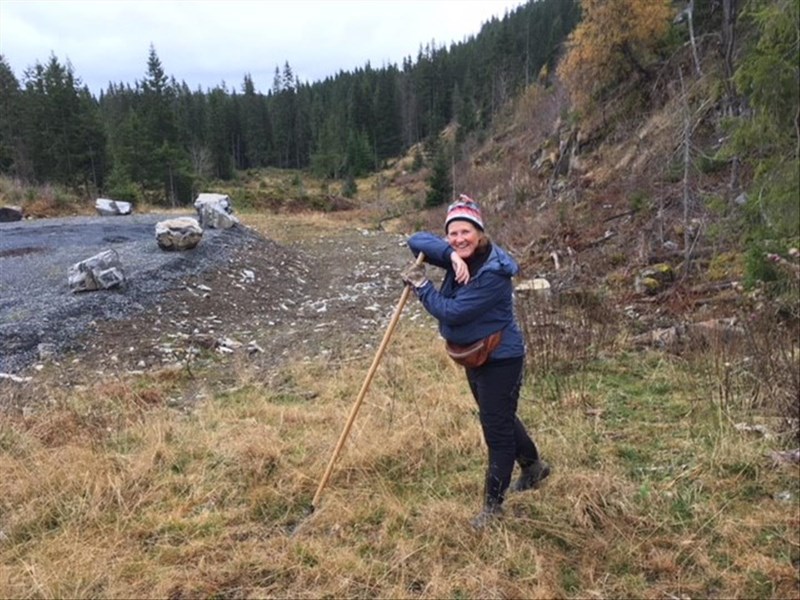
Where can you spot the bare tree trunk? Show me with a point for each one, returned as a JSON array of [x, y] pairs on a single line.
[[728, 43], [528, 52], [172, 198], [687, 138], [453, 175], [690, 16], [731, 100]]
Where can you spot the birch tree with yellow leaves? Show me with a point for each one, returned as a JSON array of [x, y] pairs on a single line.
[[615, 39]]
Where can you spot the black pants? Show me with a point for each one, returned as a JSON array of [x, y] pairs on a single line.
[[496, 386]]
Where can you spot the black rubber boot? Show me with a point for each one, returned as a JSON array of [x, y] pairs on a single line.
[[490, 513], [531, 476]]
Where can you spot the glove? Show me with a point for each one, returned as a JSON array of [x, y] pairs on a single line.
[[414, 275]]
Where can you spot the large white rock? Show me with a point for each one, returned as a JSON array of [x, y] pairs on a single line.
[[214, 210], [100, 272], [110, 208], [183, 233], [211, 215], [537, 285], [223, 200]]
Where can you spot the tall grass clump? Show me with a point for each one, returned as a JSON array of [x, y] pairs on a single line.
[[564, 332], [42, 200]]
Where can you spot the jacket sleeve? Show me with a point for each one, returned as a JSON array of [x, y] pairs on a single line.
[[469, 303], [437, 251]]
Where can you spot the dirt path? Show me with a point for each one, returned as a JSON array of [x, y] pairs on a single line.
[[330, 291]]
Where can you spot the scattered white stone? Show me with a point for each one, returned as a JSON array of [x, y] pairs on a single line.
[[758, 428], [670, 245], [537, 285], [46, 350], [253, 347], [15, 378], [786, 457], [227, 345]]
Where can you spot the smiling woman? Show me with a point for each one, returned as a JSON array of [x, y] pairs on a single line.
[[474, 308]]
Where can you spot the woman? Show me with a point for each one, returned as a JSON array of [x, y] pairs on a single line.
[[474, 302]]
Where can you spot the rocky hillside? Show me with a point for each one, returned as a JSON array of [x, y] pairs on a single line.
[[648, 195]]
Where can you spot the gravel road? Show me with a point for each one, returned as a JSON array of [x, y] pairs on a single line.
[[36, 304]]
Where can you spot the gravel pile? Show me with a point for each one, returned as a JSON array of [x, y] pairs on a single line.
[[36, 304]]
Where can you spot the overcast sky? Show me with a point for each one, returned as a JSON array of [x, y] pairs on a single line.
[[207, 42]]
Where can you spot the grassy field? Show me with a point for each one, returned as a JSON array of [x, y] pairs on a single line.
[[114, 491], [664, 482]]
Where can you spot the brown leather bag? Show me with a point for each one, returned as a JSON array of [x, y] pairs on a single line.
[[476, 353]]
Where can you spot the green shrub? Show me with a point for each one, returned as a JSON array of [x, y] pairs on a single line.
[[350, 188]]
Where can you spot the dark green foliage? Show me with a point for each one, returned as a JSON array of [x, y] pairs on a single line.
[[60, 137], [766, 136], [440, 187], [166, 140], [759, 269], [350, 189], [10, 110], [419, 160], [120, 187], [358, 154]]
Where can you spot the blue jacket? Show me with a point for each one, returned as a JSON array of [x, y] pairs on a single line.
[[467, 313]]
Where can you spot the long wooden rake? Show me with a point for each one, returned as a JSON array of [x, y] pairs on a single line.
[[364, 387]]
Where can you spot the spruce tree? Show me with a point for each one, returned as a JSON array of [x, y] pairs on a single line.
[[440, 187], [63, 139], [10, 97]]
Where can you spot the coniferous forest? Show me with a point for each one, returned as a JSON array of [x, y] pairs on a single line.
[[160, 140]]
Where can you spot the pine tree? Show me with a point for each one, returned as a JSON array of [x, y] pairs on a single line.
[[218, 136], [256, 127], [768, 135], [64, 142], [388, 126], [10, 110], [440, 188], [169, 163]]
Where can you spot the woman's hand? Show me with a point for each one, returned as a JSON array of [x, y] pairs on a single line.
[[460, 267]]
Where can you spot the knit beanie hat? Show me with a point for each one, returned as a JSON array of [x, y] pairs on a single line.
[[464, 209]]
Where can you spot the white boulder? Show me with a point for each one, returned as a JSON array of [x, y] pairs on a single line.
[[100, 272], [538, 285], [110, 208], [183, 233], [214, 211]]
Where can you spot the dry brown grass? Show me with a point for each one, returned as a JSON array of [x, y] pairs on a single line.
[[111, 492], [42, 200]]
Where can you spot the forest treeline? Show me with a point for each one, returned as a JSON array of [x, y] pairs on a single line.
[[159, 139]]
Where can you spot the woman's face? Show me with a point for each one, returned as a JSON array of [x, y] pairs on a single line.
[[463, 237]]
